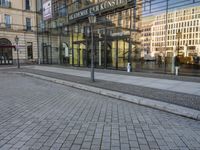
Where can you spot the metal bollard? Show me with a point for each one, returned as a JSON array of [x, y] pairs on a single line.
[[176, 70], [129, 67]]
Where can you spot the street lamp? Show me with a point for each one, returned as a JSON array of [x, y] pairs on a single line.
[[17, 41], [92, 21], [176, 60]]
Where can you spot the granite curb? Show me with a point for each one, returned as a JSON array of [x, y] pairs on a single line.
[[171, 108]]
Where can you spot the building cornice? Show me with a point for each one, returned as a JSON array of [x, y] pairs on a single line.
[[16, 9]]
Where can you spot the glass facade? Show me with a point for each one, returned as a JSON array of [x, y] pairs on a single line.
[[150, 34]]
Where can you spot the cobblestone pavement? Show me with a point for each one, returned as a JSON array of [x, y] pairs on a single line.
[[36, 114], [182, 99]]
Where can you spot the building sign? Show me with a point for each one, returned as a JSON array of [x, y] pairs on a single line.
[[99, 8], [121, 33], [47, 9]]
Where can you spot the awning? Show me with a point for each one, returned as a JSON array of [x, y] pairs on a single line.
[[7, 46]]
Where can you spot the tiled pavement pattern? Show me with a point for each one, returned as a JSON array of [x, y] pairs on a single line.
[[182, 99], [36, 114]]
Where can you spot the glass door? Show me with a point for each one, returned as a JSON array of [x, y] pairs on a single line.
[[80, 54], [123, 47]]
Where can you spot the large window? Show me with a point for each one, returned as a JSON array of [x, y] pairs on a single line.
[[27, 4], [7, 21], [28, 24]]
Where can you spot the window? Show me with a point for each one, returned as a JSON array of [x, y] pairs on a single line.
[[28, 23], [5, 3], [27, 4], [30, 50], [7, 21]]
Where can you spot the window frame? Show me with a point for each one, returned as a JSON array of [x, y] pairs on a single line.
[[28, 24]]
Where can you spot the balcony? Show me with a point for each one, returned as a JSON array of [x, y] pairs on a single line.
[[5, 4]]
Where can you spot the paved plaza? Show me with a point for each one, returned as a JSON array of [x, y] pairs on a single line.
[[135, 84], [36, 114]]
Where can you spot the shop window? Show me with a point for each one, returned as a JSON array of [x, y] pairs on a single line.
[[30, 50]]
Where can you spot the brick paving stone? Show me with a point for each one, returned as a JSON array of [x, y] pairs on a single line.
[[64, 148], [164, 147], [67, 144], [153, 145], [95, 147], [75, 147], [43, 115], [86, 145], [45, 148], [115, 148], [56, 146], [78, 141], [134, 144], [144, 147], [135, 149], [25, 148], [6, 147], [19, 144], [37, 145]]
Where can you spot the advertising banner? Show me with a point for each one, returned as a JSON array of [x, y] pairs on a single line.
[[47, 9]]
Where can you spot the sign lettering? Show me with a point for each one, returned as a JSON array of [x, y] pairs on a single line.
[[103, 6]]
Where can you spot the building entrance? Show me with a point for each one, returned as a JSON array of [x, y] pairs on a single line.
[[110, 51], [47, 54], [6, 47]]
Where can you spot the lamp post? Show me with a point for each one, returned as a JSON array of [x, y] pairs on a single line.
[[176, 59], [92, 21], [178, 35], [17, 41], [60, 43]]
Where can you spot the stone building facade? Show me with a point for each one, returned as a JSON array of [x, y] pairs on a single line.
[[18, 18]]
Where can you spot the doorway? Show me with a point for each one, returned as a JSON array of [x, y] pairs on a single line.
[[6, 57]]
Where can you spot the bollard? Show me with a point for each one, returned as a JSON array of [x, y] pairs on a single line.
[[129, 67], [176, 70]]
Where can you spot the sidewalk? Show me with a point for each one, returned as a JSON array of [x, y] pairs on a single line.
[[163, 84], [174, 96]]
